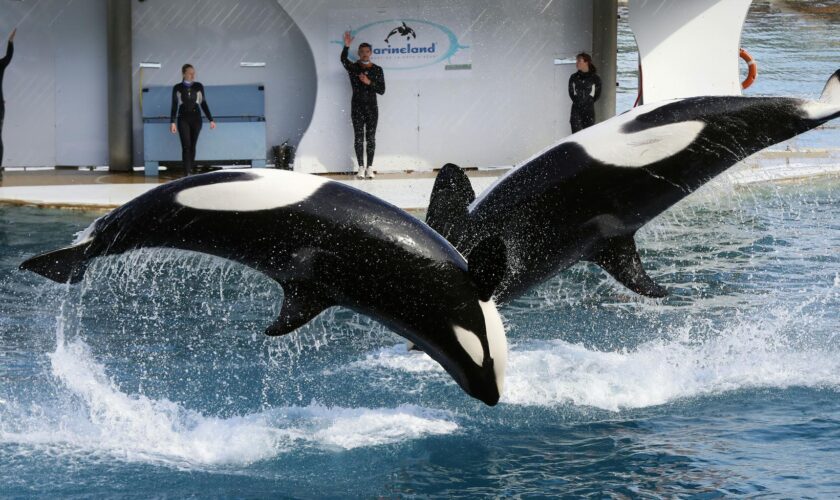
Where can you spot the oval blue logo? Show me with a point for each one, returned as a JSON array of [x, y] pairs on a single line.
[[406, 44]]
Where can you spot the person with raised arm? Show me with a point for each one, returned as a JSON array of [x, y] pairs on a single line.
[[4, 63], [367, 81]]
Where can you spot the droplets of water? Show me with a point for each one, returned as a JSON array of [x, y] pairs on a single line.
[[159, 357]]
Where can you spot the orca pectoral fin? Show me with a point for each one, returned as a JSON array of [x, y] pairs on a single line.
[[451, 195], [488, 264], [621, 259], [301, 303], [67, 265]]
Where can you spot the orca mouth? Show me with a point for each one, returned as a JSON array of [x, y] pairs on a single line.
[[483, 368], [487, 392], [491, 400], [483, 371]]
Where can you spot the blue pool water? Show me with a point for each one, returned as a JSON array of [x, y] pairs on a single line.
[[795, 53], [152, 376]]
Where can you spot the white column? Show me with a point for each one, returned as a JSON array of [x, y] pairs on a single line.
[[688, 47]]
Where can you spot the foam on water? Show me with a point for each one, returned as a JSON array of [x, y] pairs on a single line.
[[660, 372], [354, 428], [398, 358], [749, 355], [107, 421]]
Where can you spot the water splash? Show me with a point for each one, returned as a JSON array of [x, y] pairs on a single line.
[[108, 421], [96, 415], [747, 354], [556, 372]]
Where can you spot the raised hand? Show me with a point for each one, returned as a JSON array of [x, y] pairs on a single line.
[[12, 36], [348, 38]]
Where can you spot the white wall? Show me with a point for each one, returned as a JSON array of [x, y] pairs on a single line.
[[512, 102], [215, 36], [56, 85]]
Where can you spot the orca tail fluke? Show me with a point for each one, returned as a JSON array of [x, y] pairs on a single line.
[[621, 260], [67, 265], [448, 213], [831, 91]]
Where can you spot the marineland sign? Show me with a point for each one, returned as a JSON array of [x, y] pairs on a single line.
[[410, 45]]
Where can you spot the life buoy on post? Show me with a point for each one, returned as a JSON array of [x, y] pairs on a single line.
[[753, 68]]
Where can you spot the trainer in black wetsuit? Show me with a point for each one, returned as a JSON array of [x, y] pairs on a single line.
[[584, 90], [10, 51], [188, 100], [367, 80]]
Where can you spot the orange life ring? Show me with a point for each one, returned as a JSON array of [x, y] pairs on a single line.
[[753, 68]]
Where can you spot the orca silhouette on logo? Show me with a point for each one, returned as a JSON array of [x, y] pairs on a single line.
[[403, 31]]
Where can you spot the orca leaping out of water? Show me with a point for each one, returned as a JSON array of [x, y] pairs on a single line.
[[327, 244], [585, 198]]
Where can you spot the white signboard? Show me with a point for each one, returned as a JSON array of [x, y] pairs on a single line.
[[409, 43]]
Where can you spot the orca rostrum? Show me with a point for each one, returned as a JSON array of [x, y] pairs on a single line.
[[326, 244], [584, 198]]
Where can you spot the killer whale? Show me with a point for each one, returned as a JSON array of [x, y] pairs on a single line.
[[327, 244], [585, 197]]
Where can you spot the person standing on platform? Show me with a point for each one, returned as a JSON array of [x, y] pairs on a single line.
[[584, 89], [188, 100], [4, 63], [367, 80]]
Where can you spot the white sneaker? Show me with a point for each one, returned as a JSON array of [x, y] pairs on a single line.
[[360, 174], [370, 174]]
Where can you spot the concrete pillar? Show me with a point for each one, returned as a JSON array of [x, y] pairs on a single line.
[[605, 53], [119, 86]]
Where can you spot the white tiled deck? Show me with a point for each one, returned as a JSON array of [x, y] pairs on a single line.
[[85, 189], [407, 191]]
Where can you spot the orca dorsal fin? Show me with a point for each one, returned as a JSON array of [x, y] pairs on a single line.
[[487, 265], [620, 258], [451, 195], [301, 303]]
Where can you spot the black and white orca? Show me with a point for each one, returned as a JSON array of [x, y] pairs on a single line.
[[327, 244], [585, 198]]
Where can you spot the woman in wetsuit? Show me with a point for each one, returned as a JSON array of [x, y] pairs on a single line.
[[584, 89], [188, 100], [10, 50], [367, 80]]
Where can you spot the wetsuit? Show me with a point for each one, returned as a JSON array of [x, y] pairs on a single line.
[[187, 103], [584, 90], [363, 108], [10, 50]]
